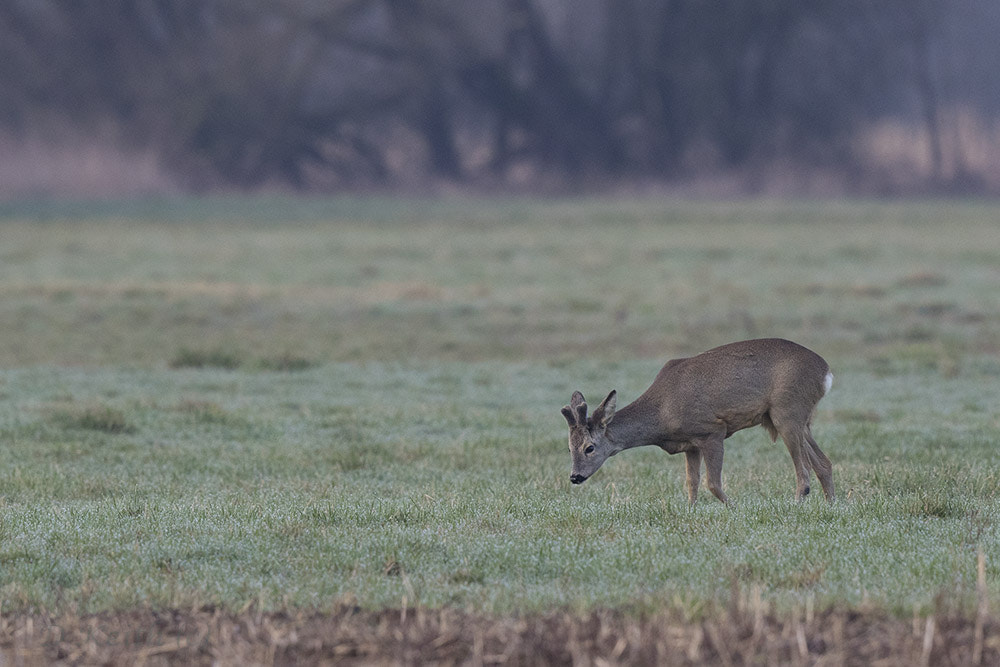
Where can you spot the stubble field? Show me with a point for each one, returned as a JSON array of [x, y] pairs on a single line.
[[339, 419]]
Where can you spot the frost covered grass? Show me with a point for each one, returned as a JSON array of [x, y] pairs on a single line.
[[359, 401], [447, 484]]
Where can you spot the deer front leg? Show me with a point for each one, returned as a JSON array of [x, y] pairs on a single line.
[[693, 474]]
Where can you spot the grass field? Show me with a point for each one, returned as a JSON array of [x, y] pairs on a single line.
[[296, 405]]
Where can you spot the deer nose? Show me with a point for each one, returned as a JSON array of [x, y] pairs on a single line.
[[577, 479]]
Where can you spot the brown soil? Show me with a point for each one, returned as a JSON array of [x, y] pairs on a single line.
[[448, 636]]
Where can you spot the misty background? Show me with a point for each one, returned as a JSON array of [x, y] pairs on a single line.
[[821, 97]]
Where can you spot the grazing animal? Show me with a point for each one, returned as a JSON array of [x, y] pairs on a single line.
[[694, 404]]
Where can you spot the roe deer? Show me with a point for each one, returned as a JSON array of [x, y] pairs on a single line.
[[696, 403]]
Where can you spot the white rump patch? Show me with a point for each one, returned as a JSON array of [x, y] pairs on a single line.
[[827, 382]]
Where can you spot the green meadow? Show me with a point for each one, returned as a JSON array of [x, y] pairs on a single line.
[[302, 403]]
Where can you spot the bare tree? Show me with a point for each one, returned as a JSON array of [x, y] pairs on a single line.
[[329, 94]]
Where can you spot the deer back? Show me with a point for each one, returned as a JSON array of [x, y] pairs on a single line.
[[736, 384]]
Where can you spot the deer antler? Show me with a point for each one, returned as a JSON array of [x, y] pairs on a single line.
[[576, 412]]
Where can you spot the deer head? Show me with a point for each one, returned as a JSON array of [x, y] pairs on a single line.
[[589, 445]]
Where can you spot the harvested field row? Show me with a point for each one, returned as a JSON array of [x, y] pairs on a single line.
[[447, 636]]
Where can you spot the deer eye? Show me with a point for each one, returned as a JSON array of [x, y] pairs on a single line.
[[589, 450]]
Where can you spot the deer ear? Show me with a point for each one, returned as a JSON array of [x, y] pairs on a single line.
[[605, 412], [570, 416]]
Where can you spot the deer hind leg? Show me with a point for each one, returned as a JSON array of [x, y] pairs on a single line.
[[821, 464], [793, 432], [712, 451], [693, 474]]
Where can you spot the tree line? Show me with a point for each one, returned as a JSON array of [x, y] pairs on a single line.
[[338, 93]]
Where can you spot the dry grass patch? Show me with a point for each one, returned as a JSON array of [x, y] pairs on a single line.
[[448, 636], [102, 418]]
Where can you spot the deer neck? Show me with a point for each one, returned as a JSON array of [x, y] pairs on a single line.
[[635, 425]]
